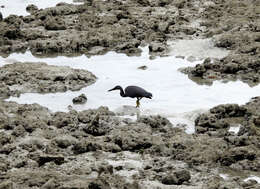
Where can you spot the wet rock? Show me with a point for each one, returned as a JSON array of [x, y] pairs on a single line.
[[188, 30], [256, 121], [230, 68], [96, 127], [228, 110], [248, 184], [1, 17], [225, 41], [99, 184], [155, 122], [238, 140], [7, 149], [81, 99], [49, 184], [7, 185], [216, 119], [31, 8], [86, 146], [104, 168], [218, 182], [86, 115], [40, 77], [198, 71], [5, 138], [156, 47], [32, 145], [142, 68], [55, 23], [3, 165], [237, 154], [13, 20], [180, 4], [19, 131], [205, 123], [177, 178], [62, 119], [134, 139], [65, 141], [13, 33], [45, 158]]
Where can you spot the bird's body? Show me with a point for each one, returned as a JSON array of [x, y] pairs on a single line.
[[133, 92], [137, 92]]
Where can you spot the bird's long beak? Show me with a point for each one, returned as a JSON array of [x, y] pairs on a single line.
[[111, 90]]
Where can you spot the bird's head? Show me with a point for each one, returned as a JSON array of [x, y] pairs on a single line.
[[115, 88]]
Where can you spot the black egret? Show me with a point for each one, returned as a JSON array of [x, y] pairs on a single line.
[[133, 92]]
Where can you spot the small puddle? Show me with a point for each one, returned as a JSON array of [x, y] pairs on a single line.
[[18, 7], [252, 177], [174, 95], [224, 176], [234, 129]]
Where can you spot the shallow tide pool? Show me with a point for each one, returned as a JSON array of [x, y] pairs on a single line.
[[174, 95]]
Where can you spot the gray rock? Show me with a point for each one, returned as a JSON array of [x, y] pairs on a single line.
[[96, 127], [142, 67], [177, 178], [44, 158], [40, 77], [31, 8], [99, 184], [155, 122], [50, 184], [55, 23], [7, 185], [5, 138], [230, 68], [65, 141], [81, 99], [86, 146], [156, 47], [19, 131]]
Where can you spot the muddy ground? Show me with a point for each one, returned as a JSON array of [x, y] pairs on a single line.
[[97, 149]]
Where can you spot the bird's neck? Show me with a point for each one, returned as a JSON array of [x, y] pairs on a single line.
[[122, 93]]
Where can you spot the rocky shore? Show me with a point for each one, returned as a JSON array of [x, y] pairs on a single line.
[[97, 149]]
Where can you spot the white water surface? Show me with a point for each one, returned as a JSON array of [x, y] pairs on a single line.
[[234, 129], [174, 95], [18, 7], [252, 177]]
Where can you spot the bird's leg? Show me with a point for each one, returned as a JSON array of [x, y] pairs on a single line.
[[138, 103]]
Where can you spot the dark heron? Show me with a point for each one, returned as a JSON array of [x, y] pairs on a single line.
[[133, 92]]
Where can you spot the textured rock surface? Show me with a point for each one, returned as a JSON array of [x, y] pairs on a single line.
[[62, 149], [97, 149], [81, 99], [20, 78]]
